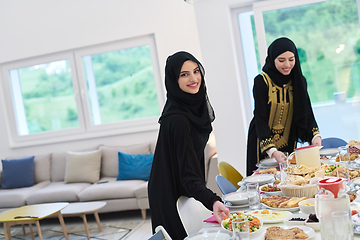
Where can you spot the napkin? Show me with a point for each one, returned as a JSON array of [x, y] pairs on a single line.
[[211, 220]]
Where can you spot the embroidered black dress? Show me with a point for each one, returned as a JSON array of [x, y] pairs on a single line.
[[178, 166], [283, 114]]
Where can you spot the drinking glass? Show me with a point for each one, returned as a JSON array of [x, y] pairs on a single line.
[[283, 167], [343, 168], [341, 221], [253, 194], [240, 227]]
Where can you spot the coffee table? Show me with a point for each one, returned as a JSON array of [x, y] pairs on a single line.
[[32, 214], [80, 209]]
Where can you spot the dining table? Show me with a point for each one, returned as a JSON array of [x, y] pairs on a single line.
[[259, 235]]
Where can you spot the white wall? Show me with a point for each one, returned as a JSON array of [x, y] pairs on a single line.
[[30, 28], [223, 79]]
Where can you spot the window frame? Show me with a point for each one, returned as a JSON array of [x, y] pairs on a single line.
[[86, 129]]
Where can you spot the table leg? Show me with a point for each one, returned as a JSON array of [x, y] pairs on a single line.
[[86, 226], [23, 228], [61, 219], [98, 220], [39, 230], [7, 231], [31, 231]]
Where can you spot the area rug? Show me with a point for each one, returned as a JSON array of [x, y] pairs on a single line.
[[111, 231]]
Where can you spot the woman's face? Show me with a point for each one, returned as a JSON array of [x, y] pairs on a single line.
[[285, 62], [190, 77]]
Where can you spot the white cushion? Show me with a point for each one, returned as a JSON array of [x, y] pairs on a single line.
[[83, 167], [110, 159], [110, 190]]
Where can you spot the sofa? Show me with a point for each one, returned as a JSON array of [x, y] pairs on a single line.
[[89, 175]]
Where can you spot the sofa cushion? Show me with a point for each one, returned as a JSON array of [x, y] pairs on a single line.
[[58, 164], [134, 166], [57, 192], [110, 190], [18, 173], [42, 166], [109, 161], [12, 198], [83, 167]]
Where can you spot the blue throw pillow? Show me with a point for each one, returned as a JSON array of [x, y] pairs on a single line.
[[134, 167], [17, 173]]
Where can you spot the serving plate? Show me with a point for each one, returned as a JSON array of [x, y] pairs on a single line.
[[229, 205], [259, 178], [258, 214], [210, 235], [282, 209], [329, 152], [261, 224], [296, 215], [308, 230], [236, 198], [269, 162]]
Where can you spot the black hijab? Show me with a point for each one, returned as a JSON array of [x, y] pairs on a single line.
[[196, 107], [302, 106]]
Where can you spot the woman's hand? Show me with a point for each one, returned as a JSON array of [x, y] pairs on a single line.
[[220, 211], [279, 156], [317, 141]]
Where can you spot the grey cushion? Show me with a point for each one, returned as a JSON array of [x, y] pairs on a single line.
[[83, 167], [11, 198], [109, 161], [58, 164], [110, 190], [57, 192]]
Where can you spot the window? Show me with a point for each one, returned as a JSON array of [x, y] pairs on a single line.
[[106, 89], [327, 36]]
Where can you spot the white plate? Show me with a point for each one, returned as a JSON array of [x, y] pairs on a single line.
[[287, 214], [308, 230], [210, 235], [296, 215], [229, 205], [282, 209], [329, 152], [260, 178], [261, 224], [269, 162], [237, 198]]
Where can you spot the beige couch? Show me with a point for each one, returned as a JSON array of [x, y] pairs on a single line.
[[52, 183]]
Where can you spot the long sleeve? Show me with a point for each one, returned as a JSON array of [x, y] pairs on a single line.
[[189, 151], [261, 113]]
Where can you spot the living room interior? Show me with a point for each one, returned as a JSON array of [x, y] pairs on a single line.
[[34, 30]]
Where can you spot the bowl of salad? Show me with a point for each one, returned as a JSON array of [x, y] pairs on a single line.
[[254, 223], [270, 189]]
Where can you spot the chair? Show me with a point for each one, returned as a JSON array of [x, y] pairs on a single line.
[[230, 173], [160, 234], [332, 142], [225, 185], [192, 214]]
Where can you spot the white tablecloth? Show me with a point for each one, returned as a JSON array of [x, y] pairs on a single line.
[[259, 235]]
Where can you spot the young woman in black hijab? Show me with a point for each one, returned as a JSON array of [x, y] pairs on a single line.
[[178, 166], [283, 114]]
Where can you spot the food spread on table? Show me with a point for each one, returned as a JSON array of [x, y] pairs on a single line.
[[278, 201], [271, 170], [276, 233], [267, 214], [272, 187], [254, 222]]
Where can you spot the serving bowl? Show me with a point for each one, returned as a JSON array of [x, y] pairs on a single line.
[[307, 206], [313, 225], [296, 222]]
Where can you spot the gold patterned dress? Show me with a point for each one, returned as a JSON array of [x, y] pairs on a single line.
[[272, 122]]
